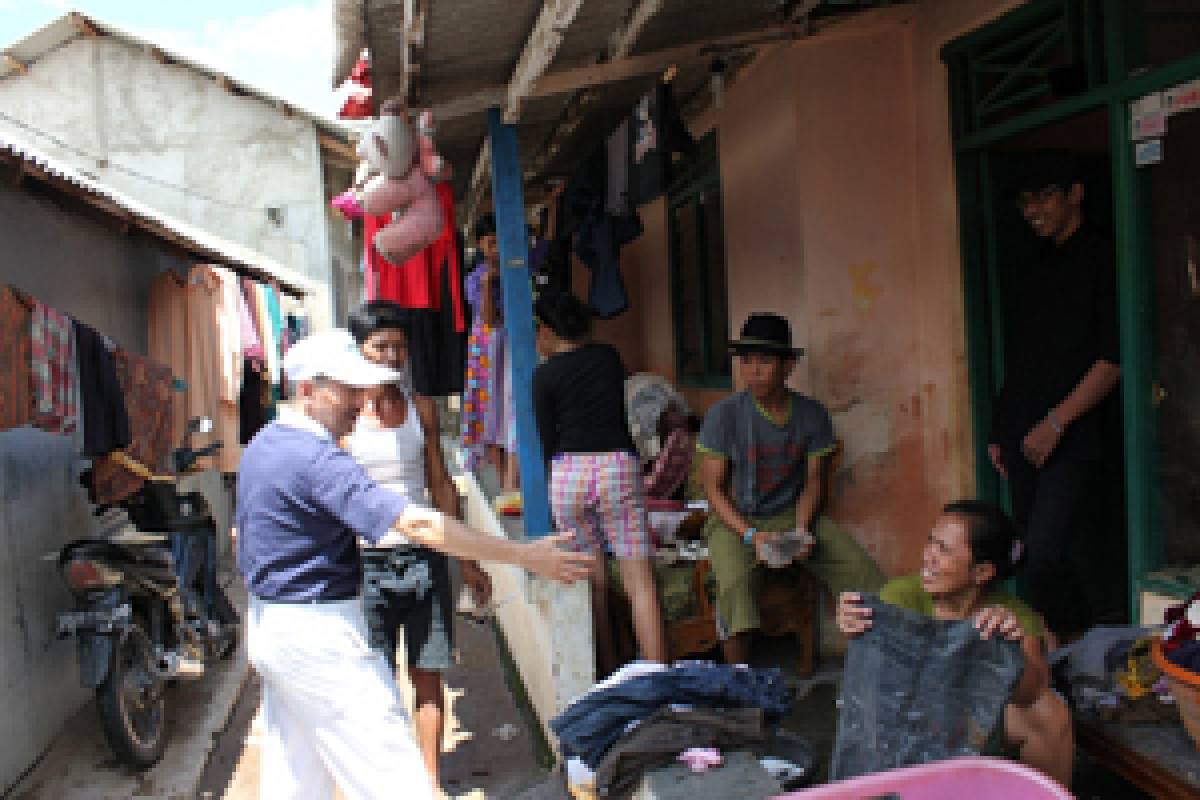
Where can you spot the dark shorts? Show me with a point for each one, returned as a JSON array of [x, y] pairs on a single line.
[[410, 589]]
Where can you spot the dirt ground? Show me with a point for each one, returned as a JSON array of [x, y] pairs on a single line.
[[489, 750]]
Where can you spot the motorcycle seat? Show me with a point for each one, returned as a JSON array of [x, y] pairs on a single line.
[[158, 556]]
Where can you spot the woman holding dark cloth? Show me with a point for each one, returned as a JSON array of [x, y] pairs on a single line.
[[595, 480], [972, 548]]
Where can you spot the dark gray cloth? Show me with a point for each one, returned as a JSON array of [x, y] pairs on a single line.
[[658, 741], [617, 202], [917, 690], [1052, 504], [596, 237], [410, 589], [105, 418], [769, 461], [657, 134]]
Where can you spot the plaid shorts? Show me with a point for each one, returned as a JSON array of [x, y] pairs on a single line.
[[599, 497]]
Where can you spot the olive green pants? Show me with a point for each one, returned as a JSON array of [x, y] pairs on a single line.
[[836, 560]]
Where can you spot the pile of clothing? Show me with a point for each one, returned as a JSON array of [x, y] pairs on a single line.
[[646, 716], [1109, 674], [1181, 642]]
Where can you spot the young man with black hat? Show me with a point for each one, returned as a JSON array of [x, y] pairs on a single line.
[[762, 466], [1062, 354]]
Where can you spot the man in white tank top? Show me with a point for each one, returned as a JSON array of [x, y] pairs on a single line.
[[398, 440]]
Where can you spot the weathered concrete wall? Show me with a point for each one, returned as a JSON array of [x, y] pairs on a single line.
[[547, 626], [101, 277], [119, 110]]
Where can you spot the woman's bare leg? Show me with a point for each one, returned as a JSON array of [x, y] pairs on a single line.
[[606, 655], [512, 472], [638, 577], [1044, 733]]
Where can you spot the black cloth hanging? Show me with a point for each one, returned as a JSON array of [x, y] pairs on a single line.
[[252, 407], [656, 134], [596, 236], [105, 416]]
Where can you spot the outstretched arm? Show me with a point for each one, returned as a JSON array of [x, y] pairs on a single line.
[[435, 530], [441, 488]]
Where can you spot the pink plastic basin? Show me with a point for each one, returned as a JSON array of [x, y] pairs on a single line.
[[977, 778]]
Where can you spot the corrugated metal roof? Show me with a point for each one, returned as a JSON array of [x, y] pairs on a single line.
[[204, 245], [473, 45], [65, 29]]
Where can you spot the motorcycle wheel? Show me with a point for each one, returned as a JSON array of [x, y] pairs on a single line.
[[132, 700]]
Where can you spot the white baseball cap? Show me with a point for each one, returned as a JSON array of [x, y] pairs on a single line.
[[334, 354]]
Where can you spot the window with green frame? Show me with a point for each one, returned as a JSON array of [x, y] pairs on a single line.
[[698, 280]]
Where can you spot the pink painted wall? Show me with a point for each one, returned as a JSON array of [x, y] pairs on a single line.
[[840, 213]]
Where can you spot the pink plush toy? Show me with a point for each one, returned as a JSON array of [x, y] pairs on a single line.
[[406, 165]]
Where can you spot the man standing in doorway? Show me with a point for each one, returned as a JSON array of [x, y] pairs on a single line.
[[1062, 359], [333, 713]]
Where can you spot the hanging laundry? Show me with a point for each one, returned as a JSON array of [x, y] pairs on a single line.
[[270, 335], [617, 195], [195, 329], [597, 236], [251, 340], [252, 406], [656, 135], [16, 403], [278, 332], [417, 283], [430, 286], [168, 337], [105, 418], [55, 373], [147, 388]]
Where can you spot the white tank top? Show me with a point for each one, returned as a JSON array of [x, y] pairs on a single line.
[[393, 457]]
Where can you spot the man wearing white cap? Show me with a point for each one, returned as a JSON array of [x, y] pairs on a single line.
[[333, 713]]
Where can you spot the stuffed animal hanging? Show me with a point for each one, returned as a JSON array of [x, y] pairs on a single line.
[[405, 165]]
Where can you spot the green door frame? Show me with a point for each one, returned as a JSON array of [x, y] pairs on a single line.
[[1135, 274]]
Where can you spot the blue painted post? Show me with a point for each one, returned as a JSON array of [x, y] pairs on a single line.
[[518, 316]]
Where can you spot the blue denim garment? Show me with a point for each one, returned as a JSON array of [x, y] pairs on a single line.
[[916, 690], [591, 725]]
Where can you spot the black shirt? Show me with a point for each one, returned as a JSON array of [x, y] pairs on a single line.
[[579, 402], [1062, 319]]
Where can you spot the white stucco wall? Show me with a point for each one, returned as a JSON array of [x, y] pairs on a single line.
[[118, 109]]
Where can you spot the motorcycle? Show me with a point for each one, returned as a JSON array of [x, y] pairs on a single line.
[[148, 608]]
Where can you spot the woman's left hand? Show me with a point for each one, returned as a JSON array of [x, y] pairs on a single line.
[[997, 620]]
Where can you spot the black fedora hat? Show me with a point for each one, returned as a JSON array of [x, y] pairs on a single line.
[[766, 333]]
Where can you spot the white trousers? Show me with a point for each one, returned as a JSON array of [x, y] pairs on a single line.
[[332, 710]]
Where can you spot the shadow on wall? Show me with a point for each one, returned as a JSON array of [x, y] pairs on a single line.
[[42, 506]]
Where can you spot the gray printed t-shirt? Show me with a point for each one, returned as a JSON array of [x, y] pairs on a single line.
[[769, 461]]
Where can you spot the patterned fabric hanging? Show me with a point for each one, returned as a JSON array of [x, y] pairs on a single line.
[[55, 372]]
